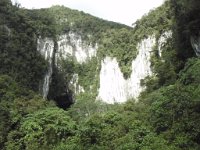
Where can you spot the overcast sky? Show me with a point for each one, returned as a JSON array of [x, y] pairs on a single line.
[[122, 11]]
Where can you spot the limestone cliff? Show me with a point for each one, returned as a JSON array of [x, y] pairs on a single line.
[[109, 60], [68, 45], [113, 86]]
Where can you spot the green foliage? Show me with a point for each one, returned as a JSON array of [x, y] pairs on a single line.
[[114, 39], [44, 129], [15, 103], [18, 47], [86, 106], [43, 23], [87, 74], [81, 23], [186, 24], [190, 74], [174, 109], [118, 129], [165, 67], [164, 61], [119, 43], [155, 22]]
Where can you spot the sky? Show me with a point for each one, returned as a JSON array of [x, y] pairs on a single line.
[[121, 11]]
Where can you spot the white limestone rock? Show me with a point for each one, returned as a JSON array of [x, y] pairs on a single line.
[[76, 87], [112, 83], [162, 41], [46, 48], [72, 45], [141, 67], [113, 87], [67, 45]]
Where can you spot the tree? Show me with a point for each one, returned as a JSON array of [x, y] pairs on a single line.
[[43, 129]]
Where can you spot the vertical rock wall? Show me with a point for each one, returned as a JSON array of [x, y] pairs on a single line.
[[113, 86], [141, 67], [46, 48], [112, 83], [68, 45], [72, 45]]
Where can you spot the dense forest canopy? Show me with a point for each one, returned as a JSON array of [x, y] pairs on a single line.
[[166, 116]]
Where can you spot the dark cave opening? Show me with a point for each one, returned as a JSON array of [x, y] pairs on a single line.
[[64, 100]]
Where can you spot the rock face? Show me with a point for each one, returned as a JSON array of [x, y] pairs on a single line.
[[112, 83], [46, 48], [195, 42], [113, 86], [141, 67], [76, 87], [67, 45], [163, 40], [72, 45]]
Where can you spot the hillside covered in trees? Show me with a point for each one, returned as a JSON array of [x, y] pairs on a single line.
[[166, 115]]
